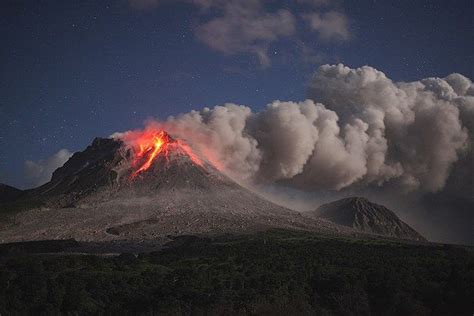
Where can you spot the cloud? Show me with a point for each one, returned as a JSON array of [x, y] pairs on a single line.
[[246, 27], [235, 27], [330, 25], [39, 172]]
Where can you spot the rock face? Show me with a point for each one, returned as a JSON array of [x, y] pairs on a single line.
[[361, 214], [113, 192], [83, 174]]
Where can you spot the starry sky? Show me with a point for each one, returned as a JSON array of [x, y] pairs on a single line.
[[75, 70]]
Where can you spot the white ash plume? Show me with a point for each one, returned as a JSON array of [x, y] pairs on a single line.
[[357, 128]]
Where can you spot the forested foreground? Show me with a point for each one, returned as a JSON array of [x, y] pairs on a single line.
[[277, 272]]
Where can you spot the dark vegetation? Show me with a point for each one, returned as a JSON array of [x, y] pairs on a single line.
[[276, 272]]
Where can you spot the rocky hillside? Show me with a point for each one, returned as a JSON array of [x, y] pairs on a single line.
[[363, 215]]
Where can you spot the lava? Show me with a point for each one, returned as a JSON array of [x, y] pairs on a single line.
[[151, 148], [150, 144]]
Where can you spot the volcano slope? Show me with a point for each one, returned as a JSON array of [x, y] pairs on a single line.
[[148, 190]]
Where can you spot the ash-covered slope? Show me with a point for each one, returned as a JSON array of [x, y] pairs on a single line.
[[145, 190], [361, 214]]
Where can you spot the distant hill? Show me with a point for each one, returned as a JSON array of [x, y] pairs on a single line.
[[9, 193], [364, 215]]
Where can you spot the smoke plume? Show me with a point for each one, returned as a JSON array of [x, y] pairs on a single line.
[[356, 128]]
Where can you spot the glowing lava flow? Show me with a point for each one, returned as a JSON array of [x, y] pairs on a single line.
[[152, 148], [151, 144]]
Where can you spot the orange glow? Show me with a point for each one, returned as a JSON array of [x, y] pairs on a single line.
[[150, 144]]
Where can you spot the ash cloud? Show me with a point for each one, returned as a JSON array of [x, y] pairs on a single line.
[[39, 172], [416, 131], [357, 128]]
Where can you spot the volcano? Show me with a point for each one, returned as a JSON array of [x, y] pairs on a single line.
[[110, 168], [366, 216], [140, 188]]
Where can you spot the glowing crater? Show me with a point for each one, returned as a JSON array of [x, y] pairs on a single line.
[[150, 145]]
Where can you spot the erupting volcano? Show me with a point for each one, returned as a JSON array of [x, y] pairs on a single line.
[[150, 144], [144, 185]]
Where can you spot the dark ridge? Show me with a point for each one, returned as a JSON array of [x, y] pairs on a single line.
[[84, 173], [9, 193], [96, 155]]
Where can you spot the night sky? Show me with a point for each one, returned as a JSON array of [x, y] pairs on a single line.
[[75, 70]]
